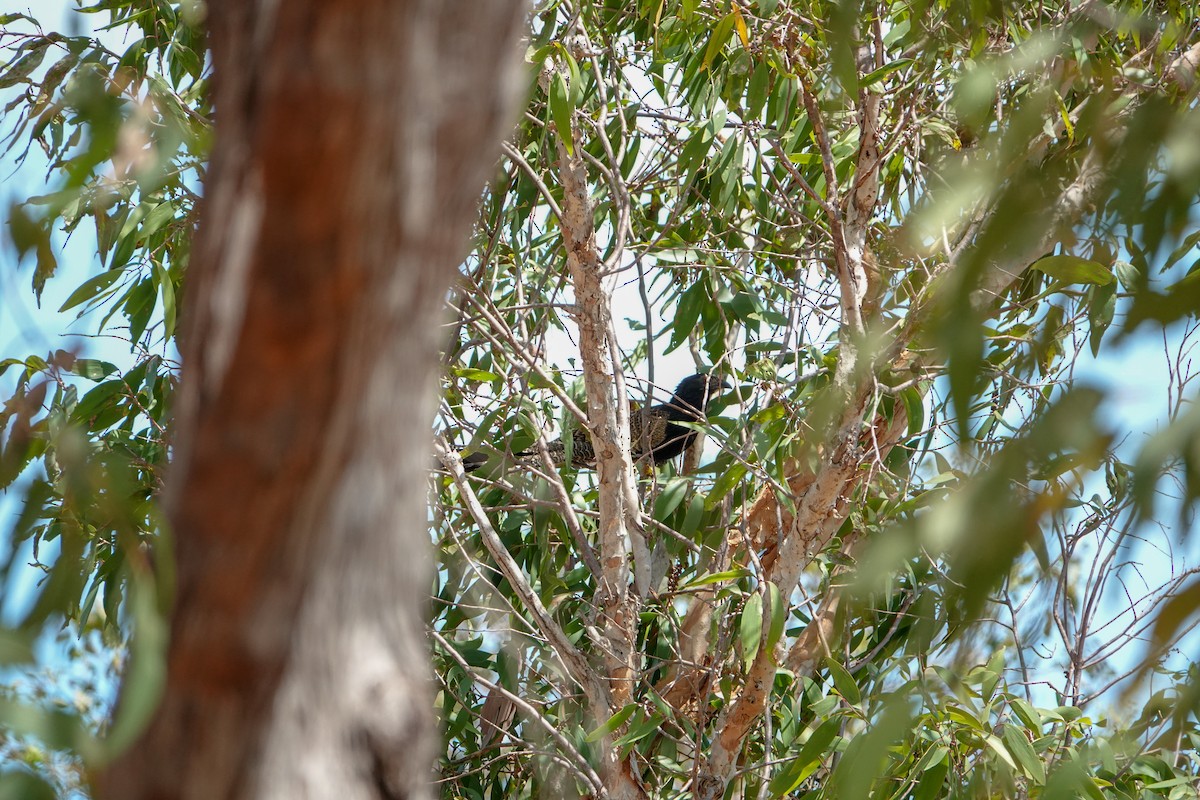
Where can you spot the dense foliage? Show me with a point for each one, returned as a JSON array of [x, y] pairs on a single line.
[[899, 229]]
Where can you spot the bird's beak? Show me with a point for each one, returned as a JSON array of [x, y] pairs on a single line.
[[715, 389]]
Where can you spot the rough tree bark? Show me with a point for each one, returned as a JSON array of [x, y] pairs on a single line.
[[620, 533], [353, 140]]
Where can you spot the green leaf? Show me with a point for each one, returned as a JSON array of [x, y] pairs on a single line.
[[750, 630], [1101, 307], [1027, 713], [1023, 752], [139, 305], [90, 288], [167, 290], [1183, 780], [575, 78], [724, 484], [26, 64], [18, 784], [476, 375], [718, 577], [687, 312], [778, 615], [756, 92], [1068, 713], [614, 722], [844, 682], [1070, 782], [670, 497], [158, 216], [1128, 275], [694, 516], [1073, 269], [932, 758], [807, 761], [887, 69], [561, 110], [93, 369], [96, 399], [866, 759], [641, 730], [720, 36], [930, 785], [692, 157], [127, 239], [914, 409], [964, 717], [992, 673]]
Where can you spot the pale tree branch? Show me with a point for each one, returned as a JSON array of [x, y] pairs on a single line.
[[608, 425], [579, 764], [496, 330], [861, 201], [515, 156], [814, 644], [575, 665], [822, 502]]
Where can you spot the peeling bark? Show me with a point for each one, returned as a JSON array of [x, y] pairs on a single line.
[[822, 502], [608, 423], [821, 496]]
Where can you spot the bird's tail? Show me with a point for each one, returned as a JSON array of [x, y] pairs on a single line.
[[473, 461], [526, 458]]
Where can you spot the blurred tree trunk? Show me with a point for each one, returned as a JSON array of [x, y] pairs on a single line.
[[353, 140]]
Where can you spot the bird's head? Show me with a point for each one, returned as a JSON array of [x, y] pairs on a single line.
[[695, 391]]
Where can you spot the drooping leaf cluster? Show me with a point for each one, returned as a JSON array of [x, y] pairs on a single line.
[[121, 138], [117, 125]]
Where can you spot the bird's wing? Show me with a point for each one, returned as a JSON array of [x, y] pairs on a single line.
[[581, 445], [647, 430]]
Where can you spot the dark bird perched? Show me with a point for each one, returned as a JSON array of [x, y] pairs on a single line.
[[664, 436], [653, 431]]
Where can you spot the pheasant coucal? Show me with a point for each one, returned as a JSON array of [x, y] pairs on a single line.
[[653, 431]]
